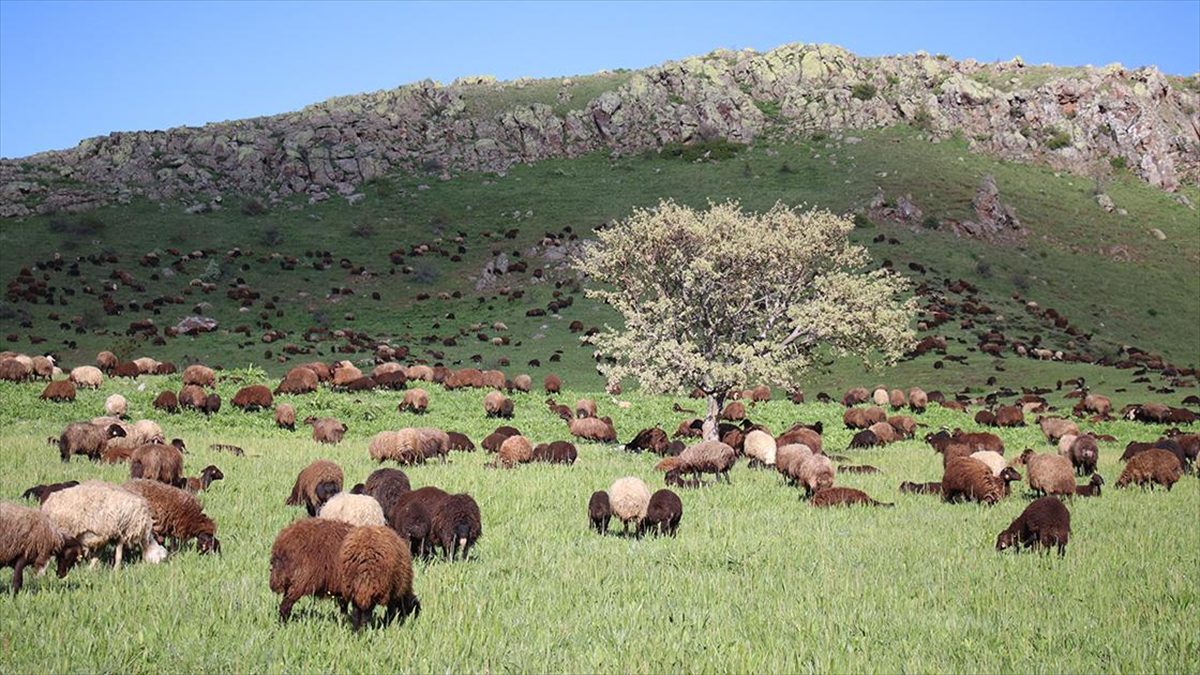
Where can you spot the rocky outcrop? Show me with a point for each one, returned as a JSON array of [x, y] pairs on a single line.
[[1067, 118], [994, 220]]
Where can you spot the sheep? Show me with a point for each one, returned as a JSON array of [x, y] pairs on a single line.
[[1091, 488], [59, 391], [412, 514], [146, 365], [304, 561], [712, 457], [814, 473], [299, 380], [630, 498], [555, 452], [934, 488], [115, 406], [126, 369], [167, 402], [883, 431], [98, 514], [880, 396], [522, 382], [285, 416], [28, 537], [494, 440], [593, 429], [253, 397], [788, 454], [208, 475], [154, 461], [855, 418], [386, 486], [106, 361], [552, 384], [492, 379], [843, 496], [354, 509], [1054, 428], [855, 396], [344, 373], [994, 461], [663, 513], [177, 515], [1010, 416], [970, 479], [1084, 453], [986, 418], [760, 447], [653, 439], [1064, 444], [374, 567], [42, 491], [419, 372], [918, 400], [399, 446], [432, 442], [1044, 523], [800, 435], [599, 511], [979, 441], [315, 484], [454, 524], [415, 401], [86, 377], [1170, 445], [459, 441], [147, 431], [327, 430], [896, 399], [192, 396], [1152, 466], [585, 407], [496, 404], [904, 426], [1049, 474], [83, 438], [1097, 404], [865, 439], [199, 375], [43, 367], [514, 450], [14, 370]]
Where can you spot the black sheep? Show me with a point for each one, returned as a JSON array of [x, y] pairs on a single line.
[[599, 511], [455, 525], [663, 514], [1044, 523]]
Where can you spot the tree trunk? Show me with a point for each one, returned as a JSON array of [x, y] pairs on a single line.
[[715, 403]]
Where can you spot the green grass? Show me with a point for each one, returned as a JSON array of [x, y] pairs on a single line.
[[756, 580]]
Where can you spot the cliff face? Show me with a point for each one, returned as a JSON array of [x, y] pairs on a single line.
[[1067, 118]]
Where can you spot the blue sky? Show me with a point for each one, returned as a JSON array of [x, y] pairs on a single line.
[[72, 70]]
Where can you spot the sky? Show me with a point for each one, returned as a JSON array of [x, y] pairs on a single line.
[[72, 70]]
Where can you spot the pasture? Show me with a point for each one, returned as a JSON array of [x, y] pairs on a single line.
[[756, 579]]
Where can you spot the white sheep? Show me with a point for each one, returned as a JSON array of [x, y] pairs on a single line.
[[87, 377], [115, 405], [98, 513], [759, 446], [630, 498], [994, 460], [355, 509]]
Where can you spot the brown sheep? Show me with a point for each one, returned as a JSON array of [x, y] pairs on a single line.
[[212, 404], [192, 396], [985, 418], [494, 440], [374, 567], [208, 475], [1054, 428], [387, 486], [523, 383], [585, 407], [415, 401], [921, 488], [84, 438], [513, 451], [59, 391], [327, 430], [285, 416], [662, 515], [28, 537], [918, 400], [86, 377], [13, 370], [492, 379], [107, 361], [1152, 466], [1044, 523], [896, 399], [979, 441], [885, 432], [411, 515], [593, 429], [315, 484], [653, 439], [178, 517], [599, 511], [865, 439], [1049, 474], [455, 525], [552, 384], [967, 479], [304, 561], [459, 441], [855, 418], [158, 462], [855, 396], [904, 425], [253, 397], [496, 404], [801, 435], [1084, 454], [1091, 488], [734, 412], [167, 402], [814, 473], [1097, 404], [344, 373], [199, 375], [464, 378], [1010, 416], [299, 380], [40, 492], [843, 496], [323, 372], [712, 457]]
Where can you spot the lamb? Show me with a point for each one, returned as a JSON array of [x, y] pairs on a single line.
[[843, 496], [84, 438], [599, 511], [994, 461], [358, 510], [59, 391], [918, 400], [594, 429], [28, 537], [970, 479], [285, 416], [315, 484], [760, 447], [1049, 474], [86, 377], [663, 513], [99, 514], [552, 384], [327, 430], [43, 491], [199, 375], [1044, 523], [386, 486], [208, 475], [653, 439], [1084, 453], [299, 380], [177, 516], [412, 514], [374, 567], [154, 461], [815, 473], [496, 404], [415, 401], [1152, 466], [712, 457], [252, 398], [304, 561], [1091, 488], [1055, 428], [630, 499], [455, 525], [513, 451]]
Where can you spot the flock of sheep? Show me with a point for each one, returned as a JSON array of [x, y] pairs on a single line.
[[358, 546]]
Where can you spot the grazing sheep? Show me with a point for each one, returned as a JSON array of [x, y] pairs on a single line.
[[1091, 488], [653, 439], [855, 396], [126, 369], [107, 361], [599, 511], [432, 442], [985, 418], [86, 377], [15, 370], [42, 491], [199, 375], [814, 474], [522, 383], [1044, 523], [1084, 453], [374, 567], [1010, 416], [455, 525], [594, 429], [994, 461], [760, 447], [979, 441], [513, 451], [787, 456], [144, 431], [299, 380], [344, 373], [157, 462], [146, 365], [1049, 474], [1152, 466], [934, 488], [585, 407], [115, 406], [191, 396], [99, 514], [904, 426], [1096, 404], [555, 452], [918, 400], [712, 457], [415, 401], [208, 475], [304, 561], [855, 418], [801, 435], [401, 446], [252, 398], [885, 432], [177, 516], [552, 384], [59, 391], [880, 396], [354, 509], [843, 496], [285, 416], [419, 372], [412, 515], [29, 538], [494, 440], [865, 439], [459, 441], [315, 484], [496, 404], [967, 479], [84, 438], [663, 513], [386, 486], [1054, 428], [630, 498], [327, 430]]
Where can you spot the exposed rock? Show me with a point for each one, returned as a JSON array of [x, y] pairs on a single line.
[[996, 220], [193, 325], [1106, 202], [1158, 234]]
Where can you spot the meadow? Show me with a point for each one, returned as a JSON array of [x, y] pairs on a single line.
[[756, 579]]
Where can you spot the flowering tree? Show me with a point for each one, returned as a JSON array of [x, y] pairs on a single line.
[[719, 299]]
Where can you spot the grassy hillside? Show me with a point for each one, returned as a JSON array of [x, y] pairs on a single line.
[[1144, 294]]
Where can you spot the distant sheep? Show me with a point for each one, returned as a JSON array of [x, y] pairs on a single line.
[[252, 398], [157, 462], [199, 375], [116, 406], [83, 438], [59, 391], [653, 439], [918, 400], [299, 380], [415, 401], [1091, 488], [315, 484], [86, 377], [1044, 523], [843, 496], [496, 404], [285, 416], [712, 457], [401, 446], [934, 488], [552, 384], [1054, 428], [593, 429], [585, 407], [327, 430]]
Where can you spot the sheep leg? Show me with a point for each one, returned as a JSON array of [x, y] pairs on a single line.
[[356, 617], [18, 574], [285, 607], [117, 558]]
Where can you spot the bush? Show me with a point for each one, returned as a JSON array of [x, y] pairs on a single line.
[[861, 222], [863, 91], [362, 230], [253, 207], [984, 269], [1117, 163], [272, 236], [931, 223], [770, 110], [922, 120], [1020, 281], [1059, 140], [710, 151]]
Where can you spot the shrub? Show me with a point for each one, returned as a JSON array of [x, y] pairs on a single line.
[[863, 91], [770, 110], [212, 273], [1117, 163], [272, 236], [984, 269], [363, 230], [253, 207], [711, 150], [1059, 140], [862, 222], [931, 223], [922, 120]]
